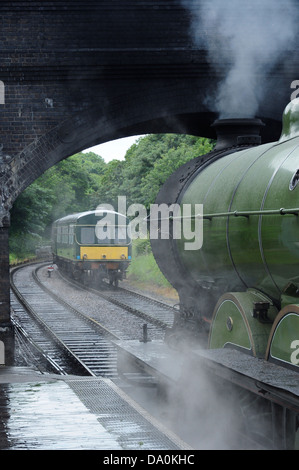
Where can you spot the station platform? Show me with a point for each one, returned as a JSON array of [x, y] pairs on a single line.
[[49, 412], [153, 357], [238, 367]]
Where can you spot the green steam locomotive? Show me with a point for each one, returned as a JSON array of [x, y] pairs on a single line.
[[239, 293]]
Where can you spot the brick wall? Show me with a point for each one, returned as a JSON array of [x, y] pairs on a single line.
[[81, 73]]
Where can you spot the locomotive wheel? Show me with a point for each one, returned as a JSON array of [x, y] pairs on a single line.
[[77, 275], [113, 279]]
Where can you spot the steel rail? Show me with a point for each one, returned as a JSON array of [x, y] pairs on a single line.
[[155, 317], [39, 354], [57, 336]]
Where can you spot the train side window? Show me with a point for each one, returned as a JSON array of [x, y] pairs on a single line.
[[58, 234], [71, 234], [65, 233]]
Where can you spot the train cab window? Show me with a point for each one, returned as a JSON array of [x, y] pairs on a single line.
[[111, 234], [87, 236], [105, 233], [120, 234]]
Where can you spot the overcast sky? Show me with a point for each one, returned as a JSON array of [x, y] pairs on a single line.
[[116, 149]]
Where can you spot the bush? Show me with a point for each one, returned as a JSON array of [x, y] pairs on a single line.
[[143, 266], [24, 245], [141, 247]]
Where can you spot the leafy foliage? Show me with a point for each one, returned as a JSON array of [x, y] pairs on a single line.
[[63, 189], [83, 181], [147, 165]]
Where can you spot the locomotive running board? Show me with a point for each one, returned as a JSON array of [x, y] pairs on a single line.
[[275, 383]]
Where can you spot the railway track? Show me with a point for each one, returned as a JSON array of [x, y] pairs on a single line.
[[149, 309], [64, 335], [72, 341], [33, 345]]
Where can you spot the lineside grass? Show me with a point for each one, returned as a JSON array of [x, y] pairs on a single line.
[[144, 273]]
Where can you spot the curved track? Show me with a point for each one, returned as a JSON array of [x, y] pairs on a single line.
[[156, 312], [76, 337], [62, 332], [69, 324]]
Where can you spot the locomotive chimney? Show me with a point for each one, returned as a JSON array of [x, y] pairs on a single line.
[[235, 132]]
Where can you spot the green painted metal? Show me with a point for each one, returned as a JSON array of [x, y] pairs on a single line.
[[234, 324], [290, 121], [261, 248], [284, 344], [229, 327], [282, 211]]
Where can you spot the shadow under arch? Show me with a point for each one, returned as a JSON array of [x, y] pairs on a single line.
[[131, 115]]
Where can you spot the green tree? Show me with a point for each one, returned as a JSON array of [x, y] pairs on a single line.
[[110, 182], [65, 188], [181, 149], [84, 181], [147, 165]]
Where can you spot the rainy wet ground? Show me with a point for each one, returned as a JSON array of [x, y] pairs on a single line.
[[47, 412], [44, 413]]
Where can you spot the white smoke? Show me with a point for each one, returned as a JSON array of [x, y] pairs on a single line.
[[246, 37]]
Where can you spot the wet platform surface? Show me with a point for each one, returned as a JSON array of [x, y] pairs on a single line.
[[49, 412]]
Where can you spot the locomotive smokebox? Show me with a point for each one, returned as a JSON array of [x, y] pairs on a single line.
[[237, 132]]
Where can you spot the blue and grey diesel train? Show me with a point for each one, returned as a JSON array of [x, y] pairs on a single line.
[[93, 246]]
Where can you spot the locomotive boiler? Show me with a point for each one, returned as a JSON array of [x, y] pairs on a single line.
[[240, 291]]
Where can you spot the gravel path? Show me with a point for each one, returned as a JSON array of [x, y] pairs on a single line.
[[126, 326]]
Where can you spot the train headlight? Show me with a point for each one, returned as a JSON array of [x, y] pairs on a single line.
[[123, 257], [104, 256]]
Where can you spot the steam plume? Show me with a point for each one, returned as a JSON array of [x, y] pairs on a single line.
[[246, 37]]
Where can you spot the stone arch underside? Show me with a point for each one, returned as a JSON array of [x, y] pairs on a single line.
[[150, 108]]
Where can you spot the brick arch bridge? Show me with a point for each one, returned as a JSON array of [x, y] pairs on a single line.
[[76, 74]]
